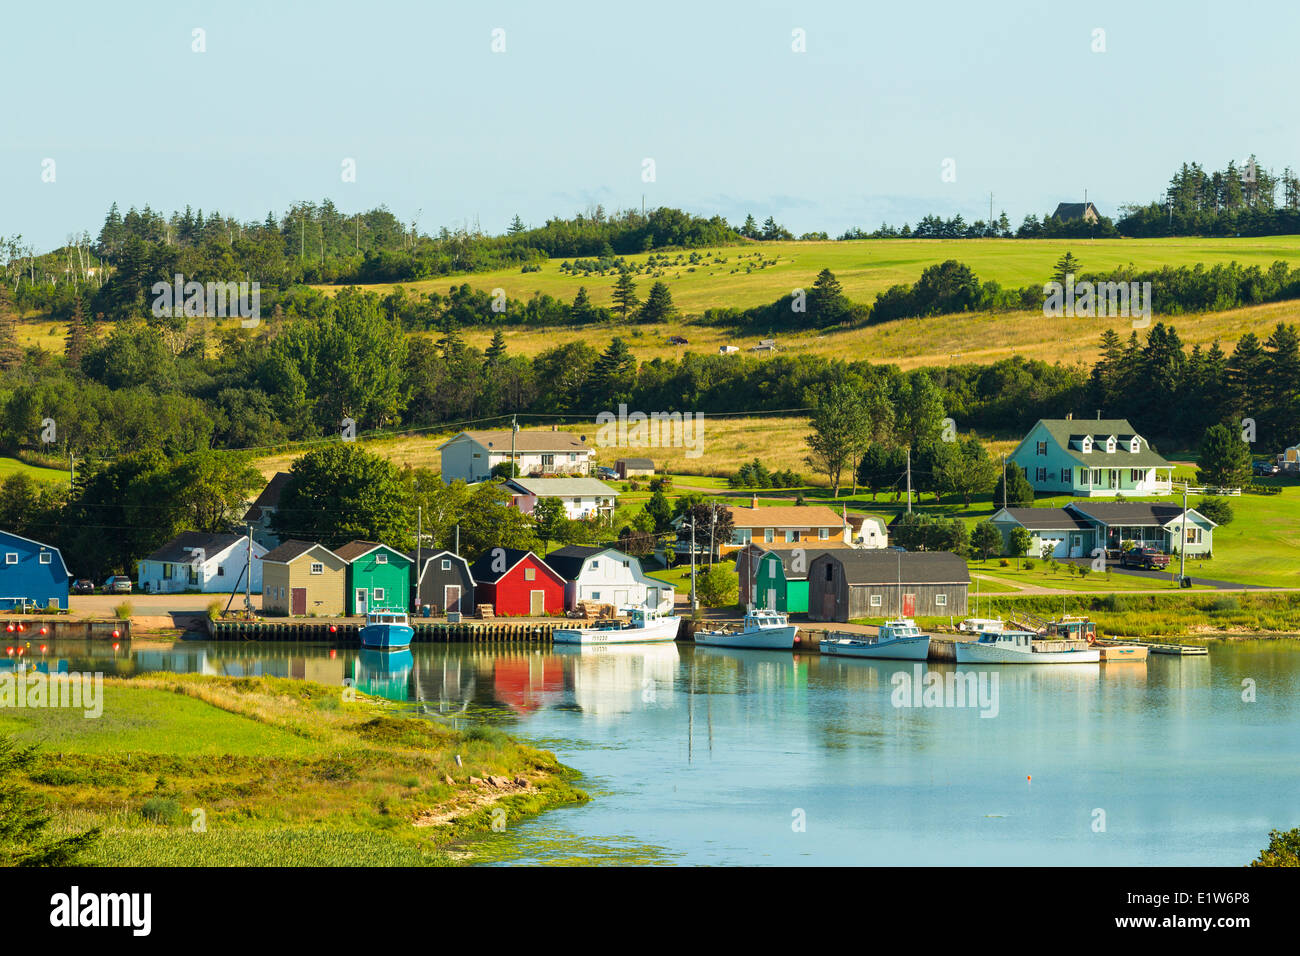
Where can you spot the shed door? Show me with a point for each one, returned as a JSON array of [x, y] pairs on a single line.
[[451, 597], [537, 603], [771, 600], [299, 599], [362, 596], [909, 605]]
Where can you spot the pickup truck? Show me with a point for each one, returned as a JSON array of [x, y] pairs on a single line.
[[1151, 559]]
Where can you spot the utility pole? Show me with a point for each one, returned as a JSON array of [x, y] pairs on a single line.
[[419, 534], [248, 578], [695, 602], [1182, 546], [514, 430], [1004, 481], [909, 480]]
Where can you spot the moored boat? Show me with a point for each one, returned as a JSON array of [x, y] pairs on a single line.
[[764, 629], [1024, 647], [643, 626], [981, 625], [387, 630], [1115, 652], [899, 640]]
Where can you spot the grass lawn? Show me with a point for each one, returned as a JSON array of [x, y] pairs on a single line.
[[284, 773], [1006, 579], [12, 466]]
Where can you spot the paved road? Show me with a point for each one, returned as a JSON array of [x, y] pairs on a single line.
[[1167, 577]]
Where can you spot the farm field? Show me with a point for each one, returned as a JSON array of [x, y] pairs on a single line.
[[12, 466]]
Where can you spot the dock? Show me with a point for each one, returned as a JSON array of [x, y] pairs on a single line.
[[344, 631]]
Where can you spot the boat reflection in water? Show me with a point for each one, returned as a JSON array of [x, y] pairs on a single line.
[[384, 674], [609, 681]]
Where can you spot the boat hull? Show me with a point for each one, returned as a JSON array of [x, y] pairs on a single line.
[[656, 632], [1120, 653], [900, 649], [768, 638], [971, 652], [386, 637]]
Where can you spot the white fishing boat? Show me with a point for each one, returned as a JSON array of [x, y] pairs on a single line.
[[643, 626], [764, 629], [982, 625], [1024, 647], [899, 640]]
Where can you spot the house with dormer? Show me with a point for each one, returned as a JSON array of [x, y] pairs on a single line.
[[1091, 459]]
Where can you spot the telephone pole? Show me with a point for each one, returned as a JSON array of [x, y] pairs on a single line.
[[909, 480], [248, 578]]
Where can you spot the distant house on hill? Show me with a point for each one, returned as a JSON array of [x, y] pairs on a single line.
[[581, 497], [780, 526], [471, 456], [1068, 211], [260, 512], [1087, 458]]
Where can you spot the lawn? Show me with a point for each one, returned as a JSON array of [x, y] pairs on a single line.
[[994, 576], [12, 466]]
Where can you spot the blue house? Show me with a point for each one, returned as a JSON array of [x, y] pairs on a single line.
[[31, 573]]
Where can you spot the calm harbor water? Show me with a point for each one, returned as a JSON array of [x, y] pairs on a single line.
[[702, 755]]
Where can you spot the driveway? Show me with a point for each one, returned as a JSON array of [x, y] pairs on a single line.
[[1166, 577]]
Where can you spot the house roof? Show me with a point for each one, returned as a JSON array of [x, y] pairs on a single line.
[[563, 487], [1073, 210], [269, 498], [1066, 432], [355, 549], [911, 567], [179, 550], [428, 556], [1134, 512], [786, 554], [41, 545], [786, 516], [291, 550], [482, 569], [567, 562], [636, 462], [1046, 519], [524, 441]]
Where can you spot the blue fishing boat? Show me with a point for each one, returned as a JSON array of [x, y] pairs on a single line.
[[387, 630]]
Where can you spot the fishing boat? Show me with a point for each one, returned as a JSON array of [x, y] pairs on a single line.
[[899, 640], [1024, 647], [982, 625], [763, 629], [387, 630], [643, 625], [1072, 627], [1180, 650]]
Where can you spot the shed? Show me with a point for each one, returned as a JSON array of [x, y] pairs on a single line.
[[634, 467], [779, 577], [517, 582], [31, 573], [303, 578], [444, 583], [848, 584], [378, 577]]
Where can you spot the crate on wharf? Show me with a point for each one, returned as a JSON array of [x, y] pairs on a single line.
[[339, 631]]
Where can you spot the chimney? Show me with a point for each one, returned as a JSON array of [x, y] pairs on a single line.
[[753, 501]]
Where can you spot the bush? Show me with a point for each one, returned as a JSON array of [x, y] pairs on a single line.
[[162, 810], [123, 611], [1029, 564], [214, 611], [718, 586], [1216, 508]]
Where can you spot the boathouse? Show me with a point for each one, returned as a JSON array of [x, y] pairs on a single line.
[[517, 582], [847, 584], [378, 577], [31, 573], [444, 583], [776, 579], [303, 578]]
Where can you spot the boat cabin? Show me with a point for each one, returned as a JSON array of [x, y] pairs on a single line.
[[1072, 628]]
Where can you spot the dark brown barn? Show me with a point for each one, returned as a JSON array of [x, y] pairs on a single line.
[[444, 583], [847, 584]]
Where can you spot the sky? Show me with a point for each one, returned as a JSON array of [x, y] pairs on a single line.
[[445, 130]]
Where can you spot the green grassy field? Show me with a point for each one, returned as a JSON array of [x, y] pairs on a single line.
[[12, 466], [281, 772]]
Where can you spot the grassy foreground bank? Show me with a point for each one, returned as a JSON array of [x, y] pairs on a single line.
[[1166, 617], [191, 770]]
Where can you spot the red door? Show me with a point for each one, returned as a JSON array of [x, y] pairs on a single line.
[[299, 598], [909, 605]]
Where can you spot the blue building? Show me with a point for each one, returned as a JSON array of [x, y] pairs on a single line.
[[31, 573]]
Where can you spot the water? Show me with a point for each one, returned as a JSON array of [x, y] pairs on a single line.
[[707, 756]]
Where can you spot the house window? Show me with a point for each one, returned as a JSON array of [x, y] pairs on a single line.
[[790, 536], [379, 594], [1135, 445], [1096, 477], [46, 557], [1087, 445], [221, 570], [1193, 535], [1042, 448], [317, 568], [595, 563], [381, 559], [1135, 475], [530, 574], [941, 600], [595, 595], [1066, 475], [11, 557], [769, 535], [823, 533], [1110, 446], [875, 600], [1040, 474], [446, 564], [167, 572]]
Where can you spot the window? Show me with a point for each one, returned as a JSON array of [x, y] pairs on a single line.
[[381, 559], [1096, 476], [1135, 475], [446, 564], [46, 557], [941, 600], [221, 570], [875, 600], [769, 535], [595, 595], [1193, 535], [1040, 474], [1066, 475], [790, 536], [595, 563], [830, 572], [1135, 445], [530, 574], [11, 557], [1042, 448], [1110, 446], [379, 594], [317, 568], [167, 572], [1087, 445], [823, 533]]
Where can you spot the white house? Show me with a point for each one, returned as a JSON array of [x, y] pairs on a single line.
[[582, 497], [471, 456], [608, 576], [197, 561], [868, 531]]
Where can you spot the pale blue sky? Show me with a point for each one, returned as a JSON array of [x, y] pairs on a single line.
[[849, 133]]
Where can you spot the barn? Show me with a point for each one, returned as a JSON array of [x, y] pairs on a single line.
[[517, 582], [444, 583], [779, 577], [848, 584]]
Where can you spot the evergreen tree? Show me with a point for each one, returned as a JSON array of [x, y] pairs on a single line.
[[1065, 266], [496, 351], [78, 337], [1281, 387], [516, 226], [625, 294], [1224, 459], [658, 304]]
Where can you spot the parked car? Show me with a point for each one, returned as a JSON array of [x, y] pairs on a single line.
[[118, 584], [676, 340], [609, 474], [1150, 559], [1264, 468], [83, 586]]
